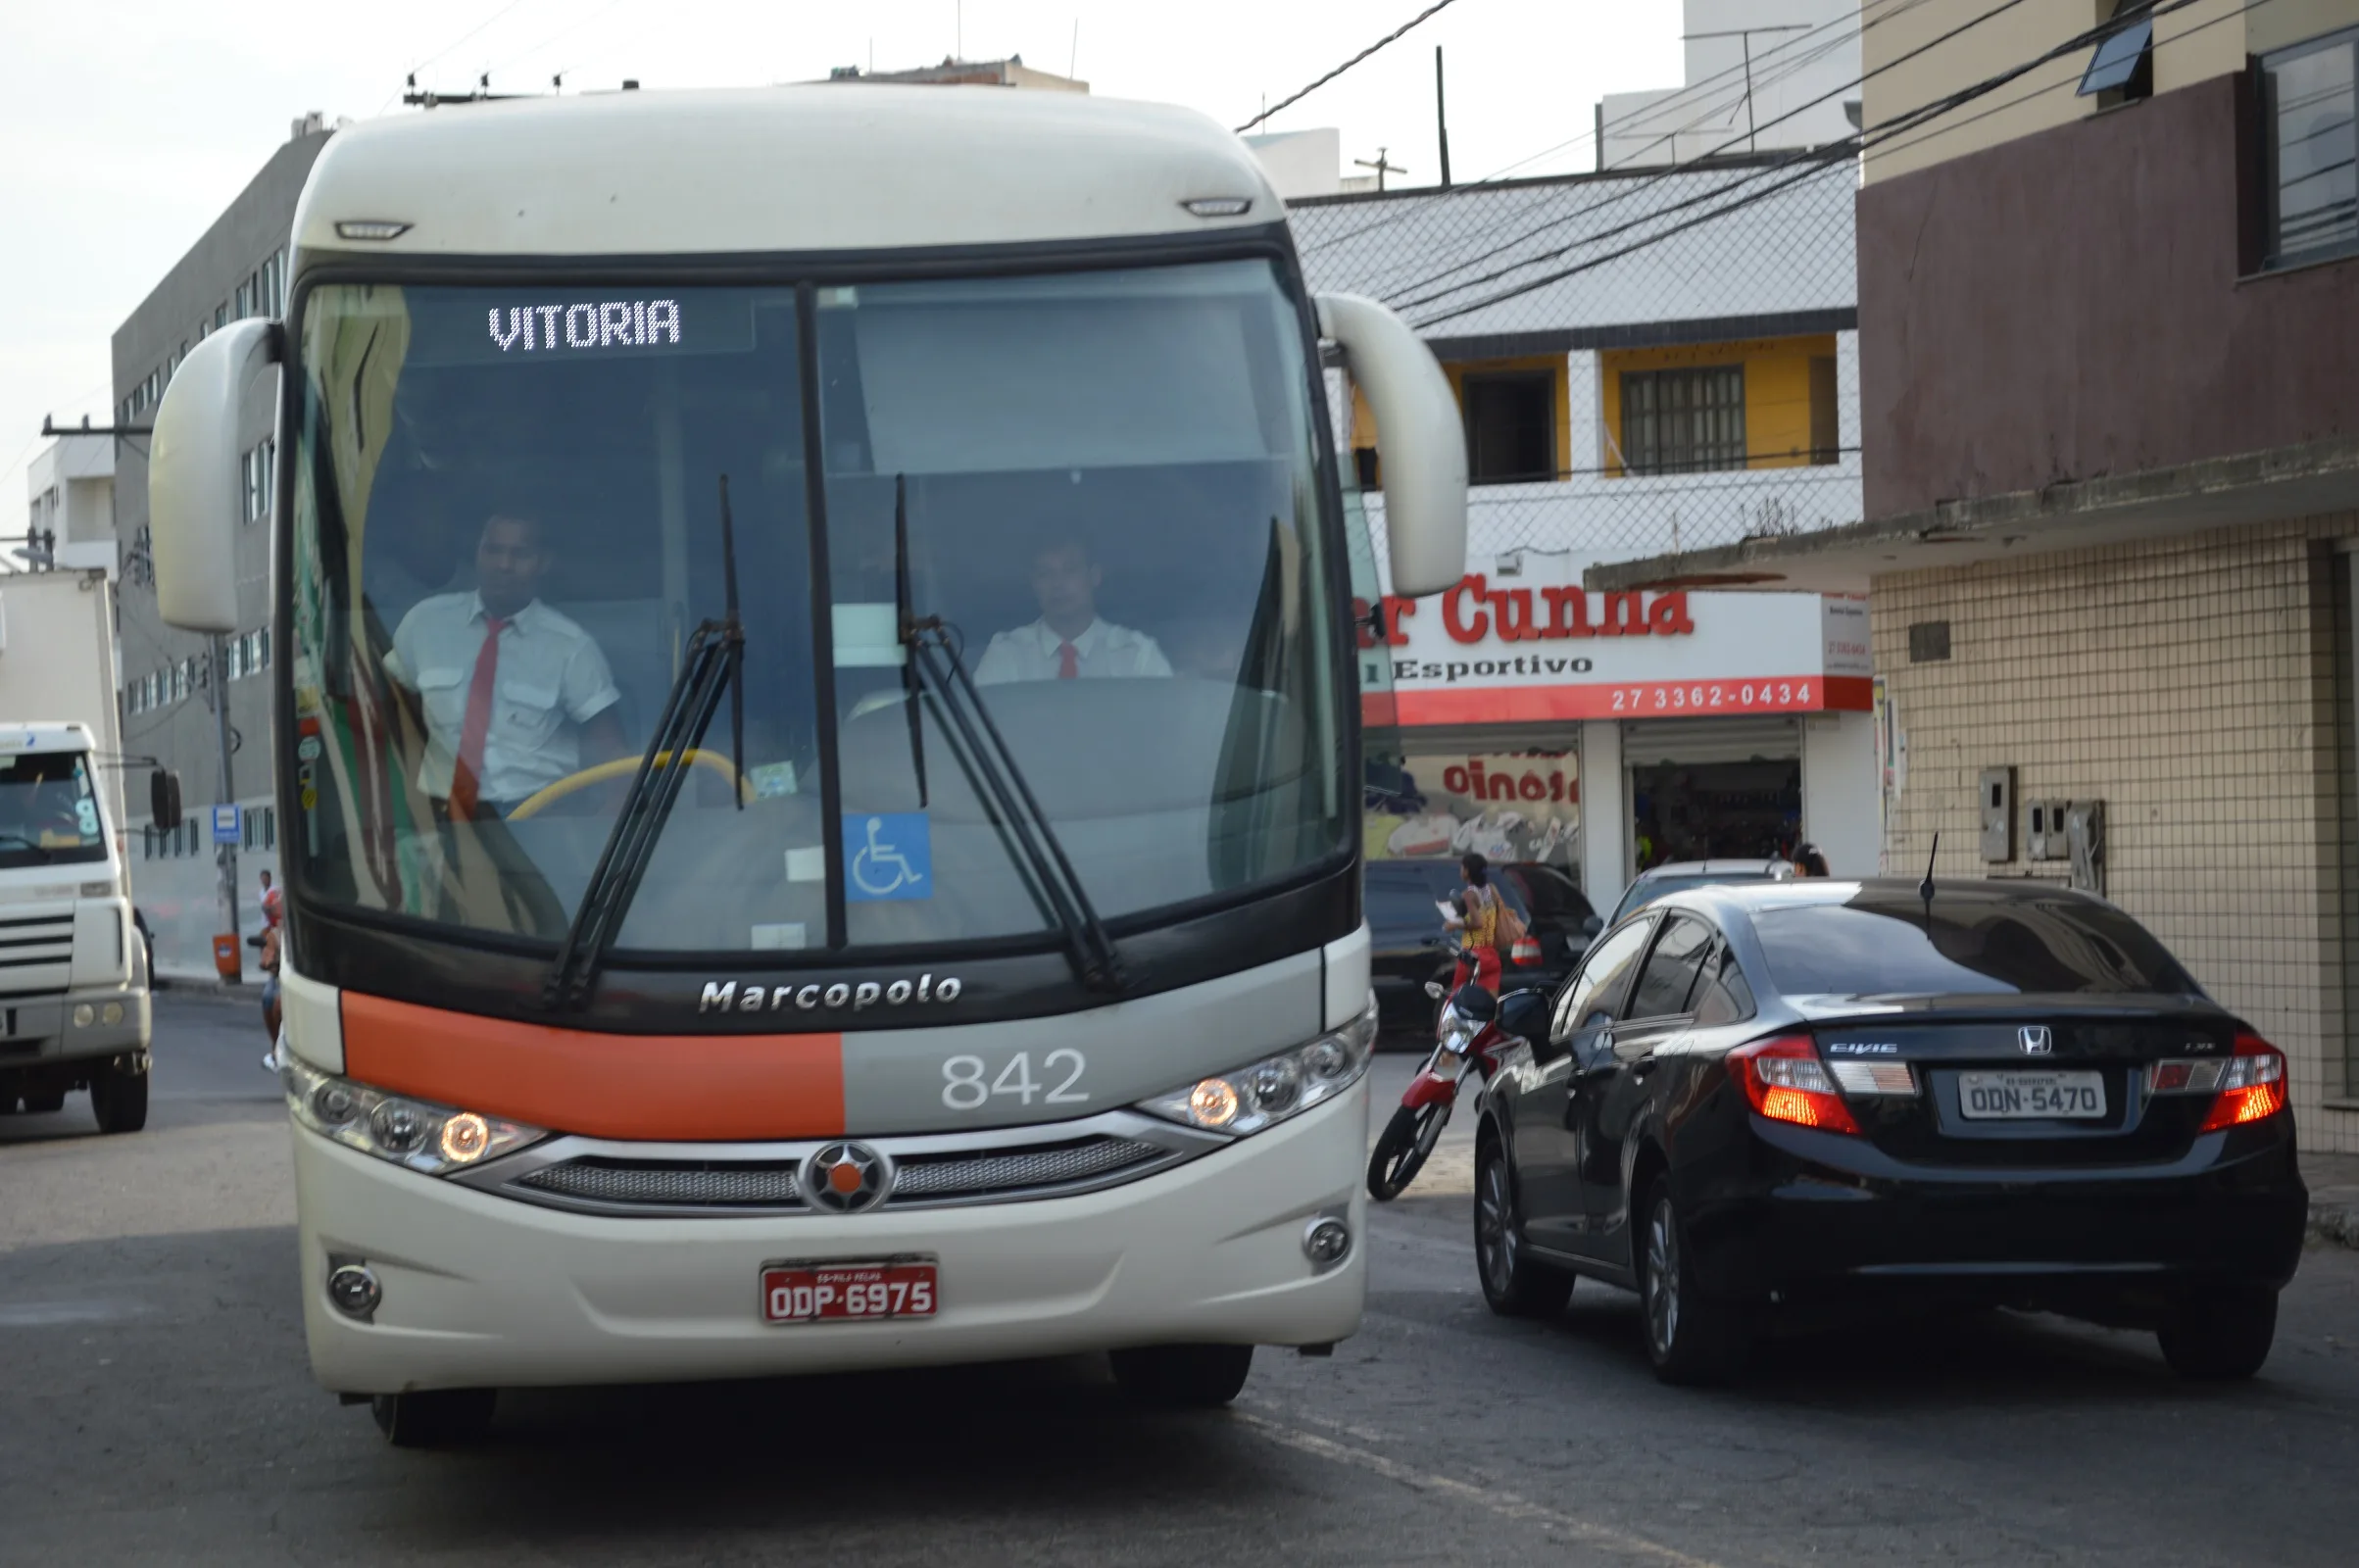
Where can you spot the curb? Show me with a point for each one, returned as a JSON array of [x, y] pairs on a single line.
[[2336, 1222]]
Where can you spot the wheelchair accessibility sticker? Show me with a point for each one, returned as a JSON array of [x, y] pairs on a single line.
[[888, 857]]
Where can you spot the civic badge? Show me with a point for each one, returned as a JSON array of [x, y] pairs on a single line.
[[2035, 1040], [846, 1178]]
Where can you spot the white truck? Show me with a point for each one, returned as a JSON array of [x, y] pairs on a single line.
[[74, 980]]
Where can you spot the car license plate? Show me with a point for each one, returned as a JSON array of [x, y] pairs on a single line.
[[2024, 1095], [822, 1293]]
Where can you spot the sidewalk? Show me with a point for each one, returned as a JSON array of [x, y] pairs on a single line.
[[2333, 1181]]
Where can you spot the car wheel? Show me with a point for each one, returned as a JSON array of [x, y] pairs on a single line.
[[1690, 1338], [1401, 1149], [2220, 1336], [437, 1418], [119, 1098], [43, 1104], [1514, 1283], [1183, 1377]]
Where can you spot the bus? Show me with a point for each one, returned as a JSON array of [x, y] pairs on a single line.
[[816, 737]]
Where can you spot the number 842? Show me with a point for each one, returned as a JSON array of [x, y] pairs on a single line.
[[969, 1084]]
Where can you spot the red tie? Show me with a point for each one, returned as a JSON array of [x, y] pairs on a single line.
[[469, 770], [1068, 662]]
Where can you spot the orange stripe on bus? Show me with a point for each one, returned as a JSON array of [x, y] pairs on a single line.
[[680, 1086]]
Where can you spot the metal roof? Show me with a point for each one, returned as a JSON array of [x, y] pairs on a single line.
[[805, 168], [1731, 242]]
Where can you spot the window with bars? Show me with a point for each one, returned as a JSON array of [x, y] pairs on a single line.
[[2310, 133], [1684, 421]]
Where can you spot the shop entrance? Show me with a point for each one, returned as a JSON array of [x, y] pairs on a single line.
[[1713, 790]]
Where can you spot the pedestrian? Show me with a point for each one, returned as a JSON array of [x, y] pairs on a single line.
[[1808, 861], [272, 908], [1477, 925]]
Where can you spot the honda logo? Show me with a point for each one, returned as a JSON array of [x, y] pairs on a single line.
[[2035, 1040]]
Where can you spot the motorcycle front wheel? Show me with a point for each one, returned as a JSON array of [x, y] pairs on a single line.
[[1401, 1153]]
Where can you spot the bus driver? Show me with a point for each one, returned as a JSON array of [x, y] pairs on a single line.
[[515, 695], [1069, 640]]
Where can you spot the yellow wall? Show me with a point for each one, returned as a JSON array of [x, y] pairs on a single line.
[[2192, 43], [1777, 391]]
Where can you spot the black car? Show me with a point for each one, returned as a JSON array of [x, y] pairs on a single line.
[[1756, 1102], [1408, 938]]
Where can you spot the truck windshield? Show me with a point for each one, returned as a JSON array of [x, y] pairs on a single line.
[[48, 811], [506, 528]]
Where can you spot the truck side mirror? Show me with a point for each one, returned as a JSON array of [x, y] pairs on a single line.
[[163, 800], [1420, 441], [195, 492]]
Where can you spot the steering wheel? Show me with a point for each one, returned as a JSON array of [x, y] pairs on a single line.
[[538, 802]]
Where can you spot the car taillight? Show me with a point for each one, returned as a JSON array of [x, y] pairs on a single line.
[[2249, 1085], [1784, 1080], [1525, 951]]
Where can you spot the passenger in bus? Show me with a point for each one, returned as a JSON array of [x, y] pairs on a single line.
[[1069, 640], [514, 695]]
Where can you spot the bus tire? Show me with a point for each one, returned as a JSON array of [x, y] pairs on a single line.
[[1183, 1377], [437, 1418]]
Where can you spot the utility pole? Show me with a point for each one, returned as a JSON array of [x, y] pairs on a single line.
[[1441, 116], [1383, 167], [1746, 35]]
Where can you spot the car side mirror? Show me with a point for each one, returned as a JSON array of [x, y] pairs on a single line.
[[163, 800], [1436, 990], [1592, 927]]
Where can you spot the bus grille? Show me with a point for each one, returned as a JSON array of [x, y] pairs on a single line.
[[921, 1180]]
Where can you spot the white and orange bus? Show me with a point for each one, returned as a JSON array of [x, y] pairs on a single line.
[[820, 735]]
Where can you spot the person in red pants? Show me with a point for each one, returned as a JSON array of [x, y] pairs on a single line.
[[1478, 928]]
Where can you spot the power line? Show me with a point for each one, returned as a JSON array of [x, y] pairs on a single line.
[[453, 46], [1641, 187], [1819, 158], [1434, 10]]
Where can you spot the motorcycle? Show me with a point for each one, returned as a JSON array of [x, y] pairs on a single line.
[[1466, 1036]]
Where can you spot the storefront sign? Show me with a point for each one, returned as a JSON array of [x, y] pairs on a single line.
[[1539, 647], [1506, 807]]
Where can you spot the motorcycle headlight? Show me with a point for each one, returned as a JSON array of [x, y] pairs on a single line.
[[1267, 1092], [432, 1139], [1457, 1032]]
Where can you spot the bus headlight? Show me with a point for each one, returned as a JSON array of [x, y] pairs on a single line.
[[433, 1140], [1264, 1092]]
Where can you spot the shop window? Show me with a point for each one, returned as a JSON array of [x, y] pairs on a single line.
[[1826, 415], [2310, 138], [1510, 425], [1683, 421]]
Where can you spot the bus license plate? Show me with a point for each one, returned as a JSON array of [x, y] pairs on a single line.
[[2029, 1096], [822, 1293]]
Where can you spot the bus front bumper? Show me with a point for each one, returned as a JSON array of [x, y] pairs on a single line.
[[482, 1290]]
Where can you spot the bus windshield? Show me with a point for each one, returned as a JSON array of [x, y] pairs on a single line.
[[48, 811], [506, 528]]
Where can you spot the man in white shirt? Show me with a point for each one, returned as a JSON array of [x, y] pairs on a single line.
[[1068, 642], [516, 696]]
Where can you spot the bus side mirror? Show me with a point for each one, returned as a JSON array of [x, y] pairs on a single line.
[[163, 800], [1420, 441], [196, 497]]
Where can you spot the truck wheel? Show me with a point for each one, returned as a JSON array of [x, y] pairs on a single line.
[[438, 1418], [119, 1098], [1183, 1377]]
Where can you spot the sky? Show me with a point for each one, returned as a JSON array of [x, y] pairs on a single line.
[[126, 126]]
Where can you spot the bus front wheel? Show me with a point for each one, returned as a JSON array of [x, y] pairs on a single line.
[[1183, 1377]]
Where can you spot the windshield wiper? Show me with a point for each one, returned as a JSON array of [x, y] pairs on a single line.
[[716, 652], [933, 656], [41, 849]]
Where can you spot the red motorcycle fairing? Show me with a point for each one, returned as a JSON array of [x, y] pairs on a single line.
[[1430, 1088]]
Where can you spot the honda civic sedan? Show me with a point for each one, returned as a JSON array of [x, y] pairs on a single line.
[[1756, 1102]]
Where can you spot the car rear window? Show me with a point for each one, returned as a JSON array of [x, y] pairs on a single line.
[[1871, 946]]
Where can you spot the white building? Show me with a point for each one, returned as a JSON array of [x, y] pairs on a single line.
[[72, 489], [1754, 69]]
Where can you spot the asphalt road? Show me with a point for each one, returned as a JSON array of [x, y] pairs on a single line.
[[155, 1407]]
